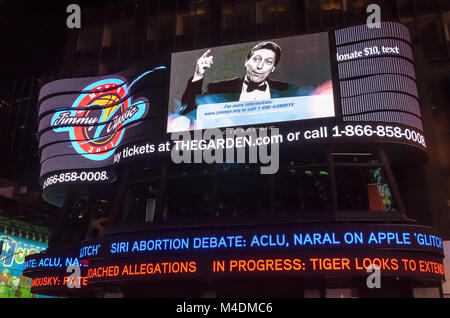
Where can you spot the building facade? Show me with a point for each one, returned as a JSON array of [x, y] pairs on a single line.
[[224, 229]]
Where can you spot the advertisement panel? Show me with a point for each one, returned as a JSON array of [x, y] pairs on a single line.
[[253, 83], [350, 85]]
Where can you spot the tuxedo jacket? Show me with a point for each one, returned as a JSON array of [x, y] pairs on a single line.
[[228, 91]]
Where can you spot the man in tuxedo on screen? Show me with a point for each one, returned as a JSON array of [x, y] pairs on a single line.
[[255, 85]]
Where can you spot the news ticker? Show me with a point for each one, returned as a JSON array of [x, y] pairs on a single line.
[[294, 249], [345, 264]]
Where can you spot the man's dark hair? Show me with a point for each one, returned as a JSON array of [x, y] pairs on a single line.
[[269, 46]]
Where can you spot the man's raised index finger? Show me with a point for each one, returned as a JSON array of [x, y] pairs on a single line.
[[206, 53]]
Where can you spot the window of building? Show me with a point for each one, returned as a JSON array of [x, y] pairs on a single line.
[[98, 216], [116, 37], [113, 16], [426, 7], [312, 8], [139, 205], [362, 184], [192, 21], [359, 5], [109, 36], [341, 293], [355, 11], [266, 17], [185, 18], [151, 11], [331, 13], [301, 186], [117, 34], [208, 22], [227, 14], [428, 292], [433, 38], [427, 22], [356, 158], [242, 194], [106, 68], [330, 5], [290, 14], [228, 20], [189, 198], [429, 31], [445, 5], [95, 17], [245, 19], [89, 38], [238, 20], [405, 9], [91, 58], [446, 17], [166, 25], [312, 293], [266, 11], [151, 32], [302, 190]]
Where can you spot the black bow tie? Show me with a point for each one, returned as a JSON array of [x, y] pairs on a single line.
[[255, 86]]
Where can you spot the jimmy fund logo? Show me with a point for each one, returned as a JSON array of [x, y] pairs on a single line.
[[95, 122]]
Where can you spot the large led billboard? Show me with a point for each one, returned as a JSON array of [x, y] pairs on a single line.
[[82, 121], [253, 83], [349, 85]]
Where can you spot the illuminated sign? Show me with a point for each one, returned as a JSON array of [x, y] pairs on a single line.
[[55, 282], [152, 268], [294, 249], [365, 92], [12, 265], [377, 75], [15, 250], [271, 81], [85, 120], [330, 264], [90, 250], [299, 264], [49, 272], [50, 262], [288, 263], [287, 238], [104, 107]]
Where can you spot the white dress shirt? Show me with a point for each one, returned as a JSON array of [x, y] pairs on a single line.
[[256, 94]]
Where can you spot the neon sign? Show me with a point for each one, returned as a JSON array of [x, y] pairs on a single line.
[[391, 264], [51, 262], [292, 238]]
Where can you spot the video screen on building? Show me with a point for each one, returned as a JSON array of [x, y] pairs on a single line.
[[90, 125], [12, 257], [277, 80]]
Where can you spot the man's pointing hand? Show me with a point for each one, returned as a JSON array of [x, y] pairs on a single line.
[[205, 61]]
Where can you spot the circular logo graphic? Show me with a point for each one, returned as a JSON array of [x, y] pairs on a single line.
[[96, 123], [102, 106]]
